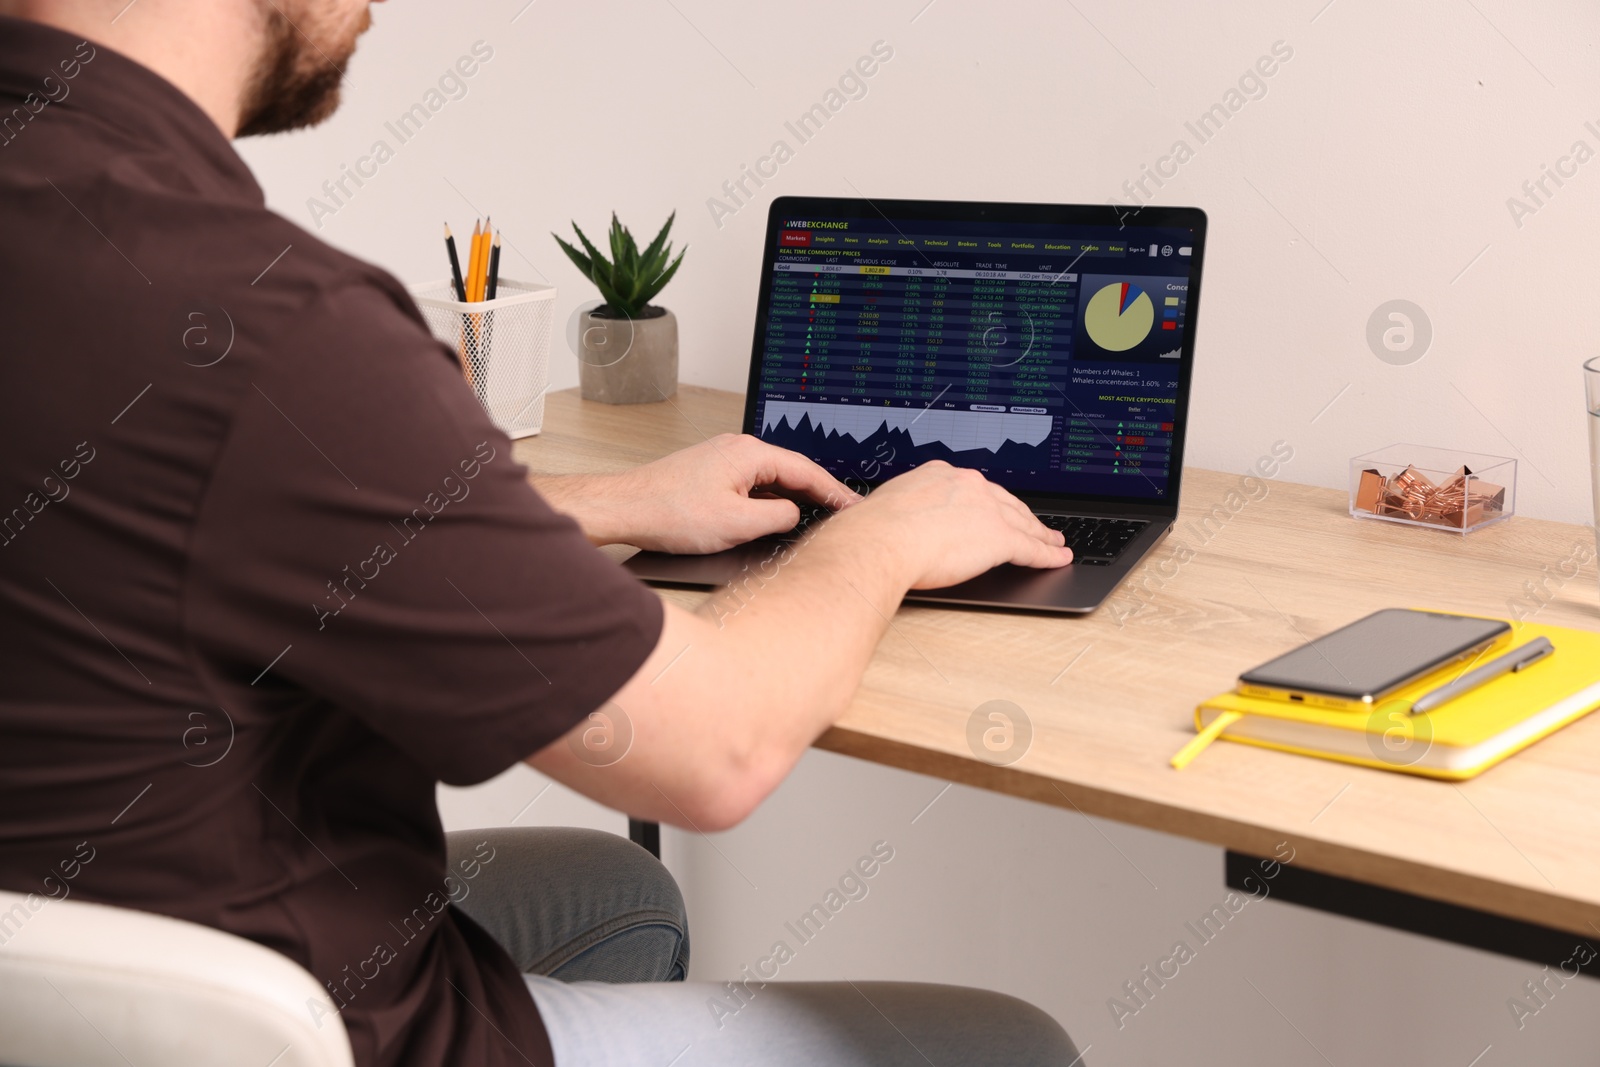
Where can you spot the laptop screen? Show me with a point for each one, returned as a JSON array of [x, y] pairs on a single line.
[[1047, 346]]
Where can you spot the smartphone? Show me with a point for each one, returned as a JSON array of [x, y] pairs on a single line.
[[1355, 666]]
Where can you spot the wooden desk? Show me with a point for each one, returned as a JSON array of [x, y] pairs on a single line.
[[1111, 696]]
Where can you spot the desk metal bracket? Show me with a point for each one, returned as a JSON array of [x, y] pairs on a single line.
[[647, 835], [1459, 925]]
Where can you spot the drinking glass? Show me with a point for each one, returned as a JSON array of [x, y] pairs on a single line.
[[1591, 388]]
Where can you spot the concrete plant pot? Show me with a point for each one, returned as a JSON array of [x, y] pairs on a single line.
[[628, 361]]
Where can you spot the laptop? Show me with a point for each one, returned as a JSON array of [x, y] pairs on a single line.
[[1049, 346]]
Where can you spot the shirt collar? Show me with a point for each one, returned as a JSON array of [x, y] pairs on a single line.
[[121, 93]]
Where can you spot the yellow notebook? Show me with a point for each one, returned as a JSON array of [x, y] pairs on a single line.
[[1457, 740]]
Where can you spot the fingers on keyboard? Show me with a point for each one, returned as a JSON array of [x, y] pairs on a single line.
[[1094, 541]]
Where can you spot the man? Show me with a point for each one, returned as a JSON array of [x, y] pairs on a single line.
[[269, 574]]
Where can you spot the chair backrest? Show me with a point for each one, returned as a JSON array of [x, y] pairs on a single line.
[[85, 985]]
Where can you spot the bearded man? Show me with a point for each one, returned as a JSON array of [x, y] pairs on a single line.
[[269, 574]]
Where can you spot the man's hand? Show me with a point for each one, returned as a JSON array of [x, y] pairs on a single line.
[[949, 524], [700, 499], [705, 498]]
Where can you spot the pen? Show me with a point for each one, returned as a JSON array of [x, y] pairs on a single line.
[[1515, 660]]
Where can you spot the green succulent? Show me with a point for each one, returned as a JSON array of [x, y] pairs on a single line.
[[630, 278]]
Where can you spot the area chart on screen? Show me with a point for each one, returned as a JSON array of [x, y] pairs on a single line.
[[959, 431]]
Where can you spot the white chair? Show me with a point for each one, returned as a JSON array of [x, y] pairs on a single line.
[[86, 985]]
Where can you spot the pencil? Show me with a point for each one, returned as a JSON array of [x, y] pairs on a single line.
[[494, 269], [482, 265], [455, 264], [1204, 738], [472, 263], [469, 324]]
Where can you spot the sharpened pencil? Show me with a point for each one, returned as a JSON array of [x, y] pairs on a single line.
[[494, 269], [480, 267], [471, 290], [455, 264]]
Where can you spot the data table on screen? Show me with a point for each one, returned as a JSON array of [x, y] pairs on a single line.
[[1037, 357]]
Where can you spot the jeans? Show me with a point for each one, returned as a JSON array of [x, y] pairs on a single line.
[[598, 927]]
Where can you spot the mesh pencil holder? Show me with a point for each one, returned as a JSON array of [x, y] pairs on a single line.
[[504, 345]]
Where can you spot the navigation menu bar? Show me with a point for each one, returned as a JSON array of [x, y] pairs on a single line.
[[1051, 277], [819, 241]]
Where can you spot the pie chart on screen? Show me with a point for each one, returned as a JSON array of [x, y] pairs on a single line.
[[1119, 316]]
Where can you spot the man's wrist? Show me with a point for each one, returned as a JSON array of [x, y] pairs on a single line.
[[869, 543], [592, 500]]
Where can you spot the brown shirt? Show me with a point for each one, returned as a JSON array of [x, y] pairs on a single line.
[[267, 571]]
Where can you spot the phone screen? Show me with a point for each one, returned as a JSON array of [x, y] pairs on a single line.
[[1377, 654]]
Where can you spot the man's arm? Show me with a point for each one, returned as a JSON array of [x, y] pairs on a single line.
[[591, 500], [735, 692]]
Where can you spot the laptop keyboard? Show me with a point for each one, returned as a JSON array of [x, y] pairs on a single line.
[[809, 513], [1095, 542]]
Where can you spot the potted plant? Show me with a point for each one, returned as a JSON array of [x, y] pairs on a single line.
[[628, 347]]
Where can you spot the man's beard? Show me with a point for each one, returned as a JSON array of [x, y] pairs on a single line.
[[296, 82]]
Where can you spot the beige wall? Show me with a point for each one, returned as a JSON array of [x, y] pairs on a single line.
[[1375, 164]]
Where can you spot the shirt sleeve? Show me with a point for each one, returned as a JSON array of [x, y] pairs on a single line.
[[367, 533]]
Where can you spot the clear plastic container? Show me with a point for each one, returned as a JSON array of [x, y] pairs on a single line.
[[1591, 389], [1434, 487]]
